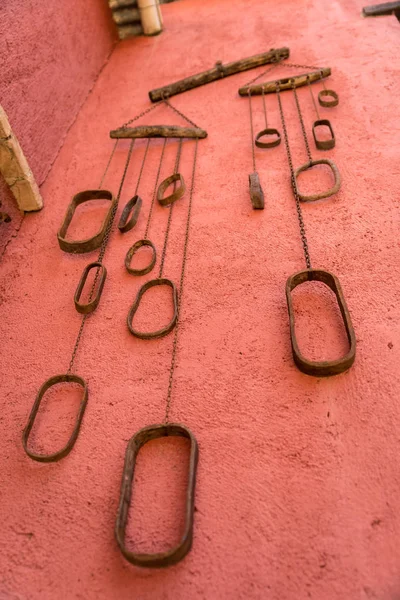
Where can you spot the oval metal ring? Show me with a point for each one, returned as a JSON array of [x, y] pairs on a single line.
[[70, 444], [323, 144], [152, 335], [330, 94], [328, 367], [134, 203], [176, 194], [267, 144], [178, 552], [132, 250], [331, 191], [90, 306]]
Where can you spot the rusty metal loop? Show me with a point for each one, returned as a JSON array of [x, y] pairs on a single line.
[[90, 306], [269, 131], [134, 205], [132, 251], [159, 333]]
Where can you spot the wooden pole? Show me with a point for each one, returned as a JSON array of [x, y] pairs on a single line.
[[162, 131], [284, 84], [218, 72], [15, 169]]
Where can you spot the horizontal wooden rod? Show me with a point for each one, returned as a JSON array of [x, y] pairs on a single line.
[[284, 84], [218, 72], [158, 131]]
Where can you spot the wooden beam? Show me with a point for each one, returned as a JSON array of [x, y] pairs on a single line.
[[15, 169], [285, 84], [376, 10], [159, 131], [218, 72]]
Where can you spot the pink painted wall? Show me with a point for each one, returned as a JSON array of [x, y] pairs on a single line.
[[50, 55], [299, 478]]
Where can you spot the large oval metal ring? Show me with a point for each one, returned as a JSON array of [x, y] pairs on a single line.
[[330, 94], [152, 335], [90, 306], [176, 194], [132, 250], [174, 555], [269, 131], [328, 367], [331, 191], [134, 203], [323, 144], [68, 378]]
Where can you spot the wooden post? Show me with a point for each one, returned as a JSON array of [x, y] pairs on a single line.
[[15, 169]]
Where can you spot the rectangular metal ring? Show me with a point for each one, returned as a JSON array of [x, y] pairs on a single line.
[[89, 244], [328, 193], [321, 368], [176, 554], [85, 309], [323, 144]]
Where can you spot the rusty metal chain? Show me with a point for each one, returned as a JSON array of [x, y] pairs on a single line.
[[312, 97], [176, 170], [294, 186], [181, 283], [252, 134], [102, 248], [265, 109], [146, 233], [294, 66], [302, 122], [276, 63]]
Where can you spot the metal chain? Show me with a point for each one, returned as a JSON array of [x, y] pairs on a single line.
[[312, 98], [265, 109], [165, 101], [294, 186], [175, 342], [108, 164], [294, 66], [302, 123], [276, 63], [146, 233], [252, 134], [142, 166], [322, 79], [176, 170], [102, 249]]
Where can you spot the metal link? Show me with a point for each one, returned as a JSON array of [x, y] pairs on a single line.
[[302, 123], [294, 187], [312, 98], [176, 170], [181, 283]]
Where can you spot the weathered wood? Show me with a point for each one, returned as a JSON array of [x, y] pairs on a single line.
[[15, 169], [116, 4], [159, 131], [126, 16], [128, 31], [284, 84], [376, 10], [218, 72]]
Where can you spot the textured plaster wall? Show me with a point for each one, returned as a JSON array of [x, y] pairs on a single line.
[[50, 55], [298, 479]]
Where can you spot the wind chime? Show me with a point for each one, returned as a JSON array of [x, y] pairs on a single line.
[[327, 98]]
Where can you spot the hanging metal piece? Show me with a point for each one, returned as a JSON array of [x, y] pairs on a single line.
[[256, 193], [177, 193], [176, 554], [152, 335], [328, 94], [268, 132], [323, 144], [90, 306], [68, 378], [321, 368], [132, 251], [134, 205], [333, 190], [81, 246]]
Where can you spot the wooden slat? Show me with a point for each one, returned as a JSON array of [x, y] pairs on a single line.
[[285, 84], [162, 131]]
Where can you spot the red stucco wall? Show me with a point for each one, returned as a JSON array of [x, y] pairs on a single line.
[[299, 478], [50, 55]]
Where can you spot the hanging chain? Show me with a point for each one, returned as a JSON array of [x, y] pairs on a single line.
[[294, 66], [302, 123], [103, 246], [265, 109], [252, 134], [294, 186], [146, 233], [175, 342], [321, 75], [312, 98], [142, 166], [176, 170], [276, 63]]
